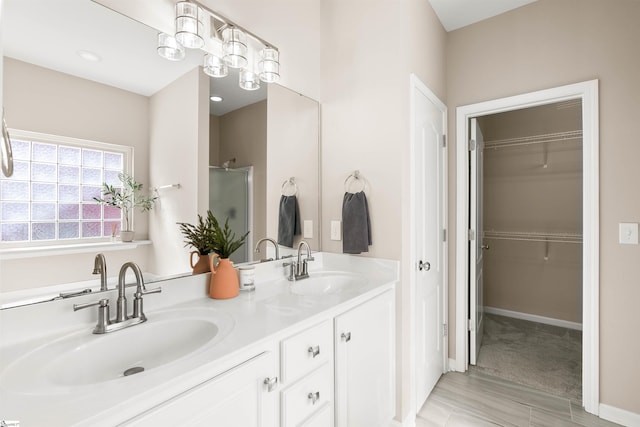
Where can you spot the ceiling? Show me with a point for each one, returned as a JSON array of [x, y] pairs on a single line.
[[128, 58], [454, 14]]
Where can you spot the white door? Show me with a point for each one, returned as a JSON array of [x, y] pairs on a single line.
[[476, 247], [428, 239]]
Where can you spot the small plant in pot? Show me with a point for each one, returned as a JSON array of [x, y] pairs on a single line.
[[200, 237], [224, 278], [126, 198]]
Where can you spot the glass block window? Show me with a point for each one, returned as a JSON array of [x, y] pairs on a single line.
[[49, 197]]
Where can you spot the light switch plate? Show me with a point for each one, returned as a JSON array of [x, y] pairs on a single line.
[[336, 233], [308, 229], [628, 233]]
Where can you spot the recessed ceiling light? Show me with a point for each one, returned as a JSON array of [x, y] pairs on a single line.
[[88, 56], [216, 98]]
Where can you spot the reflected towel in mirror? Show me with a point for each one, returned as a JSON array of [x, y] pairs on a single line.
[[356, 225], [288, 220]]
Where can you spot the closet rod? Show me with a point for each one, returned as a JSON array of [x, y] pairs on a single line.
[[534, 236], [535, 139]]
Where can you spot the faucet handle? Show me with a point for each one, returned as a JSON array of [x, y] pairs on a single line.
[[103, 314], [102, 303], [151, 291]]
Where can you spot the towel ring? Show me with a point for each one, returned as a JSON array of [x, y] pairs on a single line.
[[354, 177], [289, 187]]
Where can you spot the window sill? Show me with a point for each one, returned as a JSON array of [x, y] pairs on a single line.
[[32, 252]]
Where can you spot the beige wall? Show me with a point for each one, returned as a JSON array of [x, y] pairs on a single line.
[[42, 100], [551, 43], [368, 52], [179, 154], [521, 194], [243, 136]]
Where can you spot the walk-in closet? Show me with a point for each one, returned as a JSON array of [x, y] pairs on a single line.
[[532, 247]]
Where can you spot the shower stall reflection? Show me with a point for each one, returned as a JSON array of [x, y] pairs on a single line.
[[230, 196]]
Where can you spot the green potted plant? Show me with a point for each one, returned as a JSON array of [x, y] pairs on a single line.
[[201, 238], [224, 279], [126, 198]]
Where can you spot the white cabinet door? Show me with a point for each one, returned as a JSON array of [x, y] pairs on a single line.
[[365, 363], [238, 397]]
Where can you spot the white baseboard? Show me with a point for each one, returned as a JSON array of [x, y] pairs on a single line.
[[406, 423], [620, 416], [453, 365], [534, 318]]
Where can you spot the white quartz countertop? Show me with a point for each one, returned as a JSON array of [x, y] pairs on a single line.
[[254, 321]]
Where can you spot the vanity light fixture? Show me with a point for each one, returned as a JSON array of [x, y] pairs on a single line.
[[189, 26], [249, 79], [169, 48], [224, 43], [235, 47], [269, 65], [215, 66]]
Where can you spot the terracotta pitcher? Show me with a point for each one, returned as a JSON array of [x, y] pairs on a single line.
[[224, 279], [202, 265]]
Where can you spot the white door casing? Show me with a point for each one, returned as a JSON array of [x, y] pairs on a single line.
[[476, 246], [587, 92], [428, 213]]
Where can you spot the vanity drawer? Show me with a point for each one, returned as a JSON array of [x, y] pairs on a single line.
[[306, 351], [308, 397]]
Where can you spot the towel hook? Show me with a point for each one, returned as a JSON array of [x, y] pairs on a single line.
[[289, 187], [354, 177]]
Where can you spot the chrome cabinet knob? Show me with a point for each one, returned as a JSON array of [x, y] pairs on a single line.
[[485, 247], [271, 383], [314, 351], [314, 397]]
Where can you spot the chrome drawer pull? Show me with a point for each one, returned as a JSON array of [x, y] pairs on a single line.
[[346, 336], [314, 351], [314, 397], [271, 383]]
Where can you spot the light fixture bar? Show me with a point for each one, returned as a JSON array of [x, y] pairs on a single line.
[[230, 23]]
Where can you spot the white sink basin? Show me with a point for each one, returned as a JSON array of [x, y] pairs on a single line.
[[83, 359], [327, 282]]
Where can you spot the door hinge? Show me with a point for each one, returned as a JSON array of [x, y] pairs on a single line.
[[444, 141], [444, 235], [472, 235], [470, 325], [472, 144], [445, 329]]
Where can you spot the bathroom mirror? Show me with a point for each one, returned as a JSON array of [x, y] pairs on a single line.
[[62, 47]]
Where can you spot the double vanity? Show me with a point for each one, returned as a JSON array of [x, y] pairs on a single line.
[[313, 352]]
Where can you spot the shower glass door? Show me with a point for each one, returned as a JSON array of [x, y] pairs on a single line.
[[230, 197]]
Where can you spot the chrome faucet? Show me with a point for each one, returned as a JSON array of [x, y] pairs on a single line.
[[298, 269], [275, 245], [100, 267], [122, 320]]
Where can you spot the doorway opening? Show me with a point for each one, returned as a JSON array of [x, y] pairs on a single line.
[[529, 306], [470, 232]]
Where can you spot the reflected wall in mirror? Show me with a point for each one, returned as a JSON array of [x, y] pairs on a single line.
[[48, 88]]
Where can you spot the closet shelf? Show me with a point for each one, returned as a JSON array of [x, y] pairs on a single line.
[[534, 236], [535, 139]]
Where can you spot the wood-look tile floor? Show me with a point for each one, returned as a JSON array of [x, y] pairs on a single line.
[[477, 399]]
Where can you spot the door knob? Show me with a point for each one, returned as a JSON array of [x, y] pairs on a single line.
[[426, 266], [485, 247]]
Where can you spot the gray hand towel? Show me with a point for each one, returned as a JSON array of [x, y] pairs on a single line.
[[288, 220], [356, 225]]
